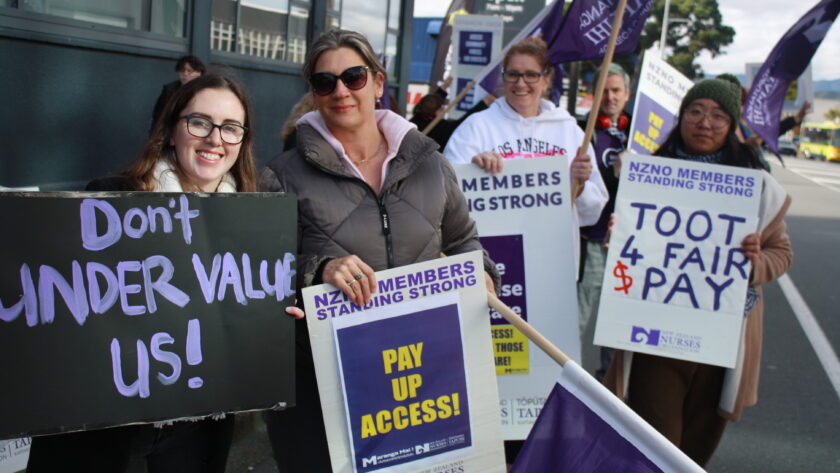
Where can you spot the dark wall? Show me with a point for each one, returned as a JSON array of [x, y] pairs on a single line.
[[70, 114]]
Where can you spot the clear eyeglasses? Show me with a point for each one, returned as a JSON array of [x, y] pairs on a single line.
[[201, 127]]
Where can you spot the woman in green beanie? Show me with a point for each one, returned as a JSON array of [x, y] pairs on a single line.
[[688, 402]]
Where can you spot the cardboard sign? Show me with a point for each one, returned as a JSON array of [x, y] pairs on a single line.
[[524, 217], [407, 383], [120, 308], [660, 91], [676, 278]]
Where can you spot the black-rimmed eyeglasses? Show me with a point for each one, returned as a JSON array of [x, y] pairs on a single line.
[[201, 127], [354, 78], [530, 77]]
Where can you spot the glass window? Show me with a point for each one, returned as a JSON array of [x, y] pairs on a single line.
[[271, 29], [394, 15], [158, 16], [168, 17], [263, 28], [391, 54], [122, 14], [367, 17], [332, 23]]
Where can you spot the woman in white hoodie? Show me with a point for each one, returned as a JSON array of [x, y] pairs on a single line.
[[524, 125]]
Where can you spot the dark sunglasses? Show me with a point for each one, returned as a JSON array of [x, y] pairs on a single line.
[[354, 78]]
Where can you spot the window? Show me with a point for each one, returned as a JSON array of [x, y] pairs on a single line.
[[271, 29], [379, 21], [166, 17]]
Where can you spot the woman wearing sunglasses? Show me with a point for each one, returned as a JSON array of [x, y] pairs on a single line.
[[200, 143], [699, 399], [522, 124], [373, 193]]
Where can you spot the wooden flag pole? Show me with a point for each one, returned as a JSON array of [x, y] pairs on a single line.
[[602, 81], [527, 329], [449, 107]]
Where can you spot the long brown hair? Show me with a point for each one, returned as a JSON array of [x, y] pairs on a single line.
[[141, 172]]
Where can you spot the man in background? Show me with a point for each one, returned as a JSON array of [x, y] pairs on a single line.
[[188, 68]]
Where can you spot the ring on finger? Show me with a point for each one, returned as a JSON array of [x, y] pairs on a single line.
[[350, 283], [358, 276]]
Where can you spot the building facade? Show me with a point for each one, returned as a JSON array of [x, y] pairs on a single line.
[[79, 78]]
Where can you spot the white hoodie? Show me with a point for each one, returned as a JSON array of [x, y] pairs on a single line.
[[551, 133]]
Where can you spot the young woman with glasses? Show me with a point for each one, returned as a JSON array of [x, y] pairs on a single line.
[[200, 143], [522, 124], [689, 402], [373, 194]]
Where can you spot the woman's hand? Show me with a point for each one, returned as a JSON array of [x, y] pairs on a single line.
[[490, 161], [352, 276], [751, 246], [294, 312], [581, 171]]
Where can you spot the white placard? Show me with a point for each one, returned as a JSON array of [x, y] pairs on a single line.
[[476, 42], [525, 222], [676, 279], [407, 383], [658, 96]]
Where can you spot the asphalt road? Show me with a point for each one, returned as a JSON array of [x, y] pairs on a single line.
[[796, 425]]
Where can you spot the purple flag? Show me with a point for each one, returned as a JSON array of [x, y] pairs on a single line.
[[582, 35], [785, 63], [583, 428], [586, 30]]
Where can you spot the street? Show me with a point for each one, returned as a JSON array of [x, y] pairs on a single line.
[[796, 425]]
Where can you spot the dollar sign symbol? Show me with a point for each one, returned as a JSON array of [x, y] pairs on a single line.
[[626, 280]]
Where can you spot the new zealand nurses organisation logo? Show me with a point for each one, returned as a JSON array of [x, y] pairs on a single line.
[[641, 335], [683, 342]]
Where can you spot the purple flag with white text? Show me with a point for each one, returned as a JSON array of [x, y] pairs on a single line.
[[586, 30], [785, 63], [584, 428]]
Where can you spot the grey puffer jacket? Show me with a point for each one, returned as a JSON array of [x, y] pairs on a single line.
[[419, 214]]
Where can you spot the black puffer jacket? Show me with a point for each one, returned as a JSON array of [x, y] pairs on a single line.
[[420, 212]]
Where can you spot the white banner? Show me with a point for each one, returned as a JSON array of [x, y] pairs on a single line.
[[406, 383], [676, 279], [476, 43], [658, 96], [524, 219]]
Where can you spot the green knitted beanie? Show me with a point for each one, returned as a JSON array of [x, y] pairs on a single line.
[[725, 93]]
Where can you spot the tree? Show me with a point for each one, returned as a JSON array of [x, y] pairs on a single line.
[[698, 27], [833, 114]]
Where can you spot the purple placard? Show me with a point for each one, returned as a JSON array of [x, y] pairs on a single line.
[[651, 126], [507, 251], [475, 48], [467, 103], [405, 401]]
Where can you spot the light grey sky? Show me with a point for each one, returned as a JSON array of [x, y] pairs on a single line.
[[758, 25]]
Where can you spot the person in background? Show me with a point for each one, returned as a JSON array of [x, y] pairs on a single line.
[[523, 124], [373, 193], [689, 402], [288, 134], [200, 144], [487, 138], [188, 68], [612, 127], [431, 106]]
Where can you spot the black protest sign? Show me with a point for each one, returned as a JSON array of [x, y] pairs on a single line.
[[118, 308]]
